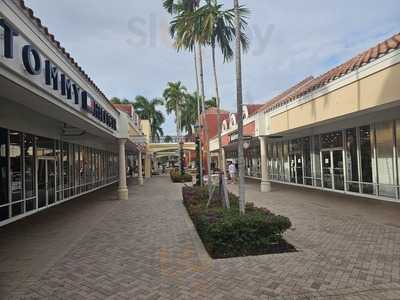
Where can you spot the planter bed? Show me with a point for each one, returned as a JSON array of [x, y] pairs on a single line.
[[225, 233], [178, 178]]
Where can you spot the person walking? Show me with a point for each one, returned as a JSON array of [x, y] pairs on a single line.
[[232, 172]]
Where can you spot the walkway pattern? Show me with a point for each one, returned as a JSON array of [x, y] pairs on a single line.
[[147, 248]]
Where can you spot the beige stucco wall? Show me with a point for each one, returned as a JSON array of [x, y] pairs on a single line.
[[377, 89], [145, 125]]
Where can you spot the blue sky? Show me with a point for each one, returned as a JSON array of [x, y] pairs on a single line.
[[124, 45]]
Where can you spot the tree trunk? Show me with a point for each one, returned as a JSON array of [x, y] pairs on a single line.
[[221, 162], [205, 122], [239, 100], [198, 114]]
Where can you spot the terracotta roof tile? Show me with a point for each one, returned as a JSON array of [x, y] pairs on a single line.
[[213, 110], [310, 84], [281, 98], [253, 108], [128, 108]]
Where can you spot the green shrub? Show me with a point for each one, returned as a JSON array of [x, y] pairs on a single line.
[[237, 235], [177, 177], [226, 233]]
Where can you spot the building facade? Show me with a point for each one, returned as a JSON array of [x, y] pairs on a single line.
[[229, 141], [337, 132], [60, 137]]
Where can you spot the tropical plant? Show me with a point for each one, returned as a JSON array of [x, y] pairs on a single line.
[[116, 100], [168, 139], [239, 100], [213, 26], [183, 29], [211, 103], [147, 110], [189, 113], [175, 7], [174, 96], [182, 7]]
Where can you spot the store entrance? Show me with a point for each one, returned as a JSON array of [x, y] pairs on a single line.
[[332, 169], [46, 181], [296, 168]]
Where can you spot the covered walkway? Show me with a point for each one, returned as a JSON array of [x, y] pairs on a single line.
[[96, 247]]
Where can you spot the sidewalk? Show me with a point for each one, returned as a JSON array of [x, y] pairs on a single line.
[[147, 248]]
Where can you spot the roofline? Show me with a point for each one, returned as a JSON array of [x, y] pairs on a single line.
[[51, 38]]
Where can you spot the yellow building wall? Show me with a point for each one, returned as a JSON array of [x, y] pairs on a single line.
[[377, 89], [146, 129]]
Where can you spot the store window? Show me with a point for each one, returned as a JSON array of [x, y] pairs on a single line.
[[44, 147], [366, 160], [71, 169], [59, 177], [385, 159], [281, 171], [307, 161], [398, 154], [332, 140], [65, 166], [4, 208], [317, 161], [29, 171], [352, 160], [77, 169], [16, 174], [286, 161]]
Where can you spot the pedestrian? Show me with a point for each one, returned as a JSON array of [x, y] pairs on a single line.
[[232, 172]]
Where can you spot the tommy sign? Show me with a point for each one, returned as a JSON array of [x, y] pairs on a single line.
[[36, 64]]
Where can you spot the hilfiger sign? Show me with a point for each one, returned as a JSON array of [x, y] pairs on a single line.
[[35, 64]]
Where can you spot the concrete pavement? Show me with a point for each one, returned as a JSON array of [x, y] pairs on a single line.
[[97, 247]]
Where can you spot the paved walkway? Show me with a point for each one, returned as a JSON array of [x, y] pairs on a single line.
[[97, 247]]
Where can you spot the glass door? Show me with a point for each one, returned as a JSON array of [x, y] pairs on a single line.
[[299, 168], [42, 185], [292, 163], [327, 169], [338, 170], [332, 169], [46, 182], [51, 181]]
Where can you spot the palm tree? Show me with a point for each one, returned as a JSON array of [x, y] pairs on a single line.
[[217, 28], [211, 103], [147, 110], [181, 7], [184, 28], [189, 113], [175, 7], [239, 96], [175, 95], [116, 100], [167, 139]]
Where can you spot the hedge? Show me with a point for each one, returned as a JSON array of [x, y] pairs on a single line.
[[176, 177], [227, 233]]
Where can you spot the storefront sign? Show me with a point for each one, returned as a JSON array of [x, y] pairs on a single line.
[[36, 64]]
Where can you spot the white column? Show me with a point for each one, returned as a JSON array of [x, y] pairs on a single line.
[[147, 165], [140, 168], [223, 164], [156, 163], [122, 188], [265, 183]]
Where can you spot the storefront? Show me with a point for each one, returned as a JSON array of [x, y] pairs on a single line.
[[252, 158], [363, 160], [251, 153], [60, 137], [38, 172]]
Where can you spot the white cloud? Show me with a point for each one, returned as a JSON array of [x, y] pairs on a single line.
[[125, 49]]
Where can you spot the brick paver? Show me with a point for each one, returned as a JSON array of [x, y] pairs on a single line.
[[147, 248]]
